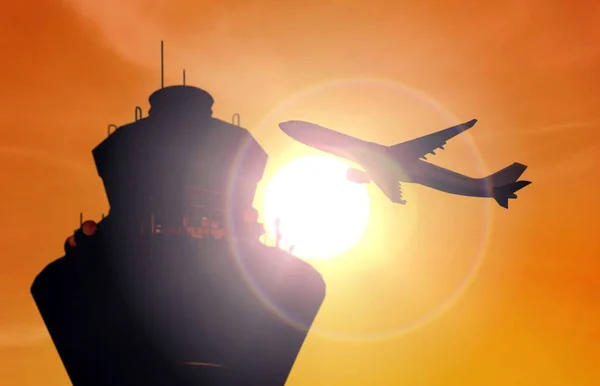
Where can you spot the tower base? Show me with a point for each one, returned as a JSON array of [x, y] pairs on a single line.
[[172, 310]]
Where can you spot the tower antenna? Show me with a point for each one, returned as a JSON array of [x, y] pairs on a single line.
[[162, 64], [184, 76]]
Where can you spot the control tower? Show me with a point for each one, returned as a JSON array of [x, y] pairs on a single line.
[[175, 287]]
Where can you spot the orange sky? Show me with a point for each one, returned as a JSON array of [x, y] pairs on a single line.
[[527, 69]]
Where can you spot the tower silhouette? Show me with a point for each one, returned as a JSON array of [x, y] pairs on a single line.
[[174, 287]]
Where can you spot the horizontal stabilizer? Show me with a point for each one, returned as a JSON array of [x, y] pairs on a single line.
[[502, 193]]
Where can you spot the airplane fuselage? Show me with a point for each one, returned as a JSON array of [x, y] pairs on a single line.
[[371, 156], [445, 180], [424, 173]]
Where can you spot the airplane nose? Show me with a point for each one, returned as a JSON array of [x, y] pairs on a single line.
[[283, 126], [286, 125], [290, 128]]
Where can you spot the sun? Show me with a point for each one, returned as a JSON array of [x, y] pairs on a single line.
[[321, 214]]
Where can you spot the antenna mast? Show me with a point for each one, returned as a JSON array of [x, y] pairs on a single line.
[[162, 65], [184, 76]]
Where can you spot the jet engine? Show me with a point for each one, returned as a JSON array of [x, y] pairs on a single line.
[[357, 176]]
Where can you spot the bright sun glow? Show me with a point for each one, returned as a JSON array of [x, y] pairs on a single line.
[[321, 213]]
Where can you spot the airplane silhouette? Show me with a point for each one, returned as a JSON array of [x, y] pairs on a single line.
[[389, 166]]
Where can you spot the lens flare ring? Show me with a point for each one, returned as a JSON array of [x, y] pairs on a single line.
[[477, 260]]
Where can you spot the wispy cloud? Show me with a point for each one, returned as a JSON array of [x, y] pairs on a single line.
[[23, 336], [47, 158], [215, 40], [561, 127], [555, 128], [573, 164], [133, 32], [560, 162], [128, 31]]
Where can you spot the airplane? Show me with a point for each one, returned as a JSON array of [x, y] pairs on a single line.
[[389, 166]]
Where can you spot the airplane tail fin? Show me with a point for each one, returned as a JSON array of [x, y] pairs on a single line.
[[507, 175], [502, 193], [504, 183]]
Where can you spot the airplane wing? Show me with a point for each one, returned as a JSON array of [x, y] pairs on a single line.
[[427, 144], [390, 186]]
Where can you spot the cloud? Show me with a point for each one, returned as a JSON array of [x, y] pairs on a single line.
[[23, 336], [47, 158], [562, 127], [560, 162], [133, 29], [212, 42], [572, 165], [556, 128], [127, 31]]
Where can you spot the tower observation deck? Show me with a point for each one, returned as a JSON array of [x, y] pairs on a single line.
[[179, 166], [175, 288]]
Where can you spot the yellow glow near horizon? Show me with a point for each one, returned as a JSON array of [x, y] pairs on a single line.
[[321, 213]]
